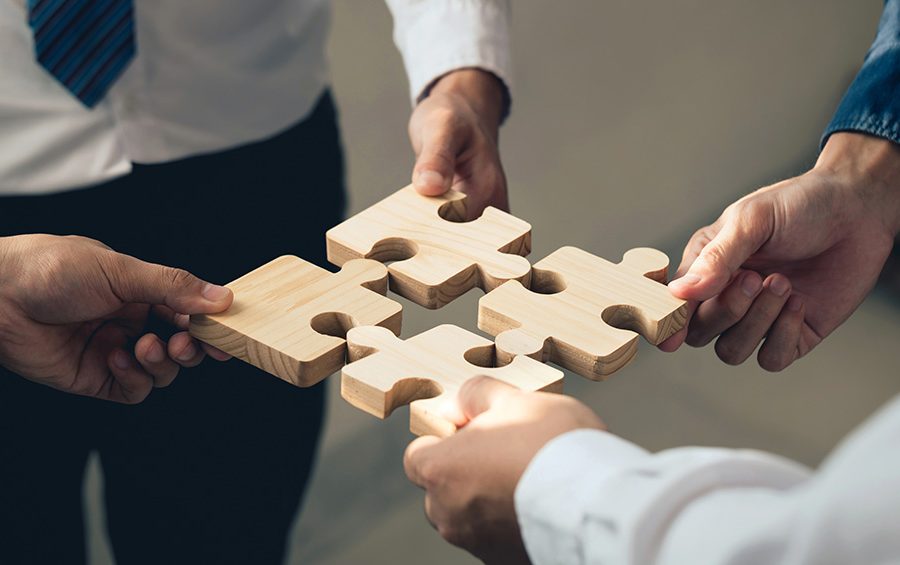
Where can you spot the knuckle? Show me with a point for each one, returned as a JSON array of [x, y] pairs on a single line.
[[733, 310], [430, 474], [178, 278], [703, 235], [714, 255]]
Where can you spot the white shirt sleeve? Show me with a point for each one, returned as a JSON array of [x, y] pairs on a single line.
[[591, 497], [438, 36]]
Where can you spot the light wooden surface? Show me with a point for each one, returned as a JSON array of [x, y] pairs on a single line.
[[437, 257], [289, 317], [582, 311], [426, 371]]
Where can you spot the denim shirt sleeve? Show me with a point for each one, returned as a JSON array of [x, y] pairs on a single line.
[[872, 104]]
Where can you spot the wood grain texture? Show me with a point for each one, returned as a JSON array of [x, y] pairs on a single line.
[[289, 317], [427, 370], [582, 311], [438, 258]]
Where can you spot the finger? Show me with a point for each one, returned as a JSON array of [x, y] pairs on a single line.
[[133, 280], [130, 383], [674, 341], [725, 310], [781, 347], [436, 162], [429, 511], [480, 394], [150, 352], [215, 352], [739, 342], [185, 350], [171, 317], [183, 322], [417, 456], [695, 245], [739, 237]]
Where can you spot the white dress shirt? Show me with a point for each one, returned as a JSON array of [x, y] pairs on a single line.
[[591, 497], [209, 75]]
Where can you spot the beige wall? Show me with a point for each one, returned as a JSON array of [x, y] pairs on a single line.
[[633, 123]]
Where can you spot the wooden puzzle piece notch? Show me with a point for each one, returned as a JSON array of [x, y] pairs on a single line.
[[290, 317], [582, 311], [426, 371], [436, 257], [651, 264]]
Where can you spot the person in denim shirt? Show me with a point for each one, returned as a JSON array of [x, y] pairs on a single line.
[[535, 476]]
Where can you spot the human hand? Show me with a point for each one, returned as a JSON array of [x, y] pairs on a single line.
[[792, 261], [470, 477], [454, 133], [70, 308]]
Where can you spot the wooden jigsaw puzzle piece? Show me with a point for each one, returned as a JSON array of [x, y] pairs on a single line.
[[426, 371], [437, 257], [583, 311], [289, 316]]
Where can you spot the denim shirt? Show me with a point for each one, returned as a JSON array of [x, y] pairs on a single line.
[[872, 104]]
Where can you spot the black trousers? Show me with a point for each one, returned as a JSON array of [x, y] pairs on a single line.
[[211, 469]]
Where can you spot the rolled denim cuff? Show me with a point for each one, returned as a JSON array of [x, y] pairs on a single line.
[[872, 104]]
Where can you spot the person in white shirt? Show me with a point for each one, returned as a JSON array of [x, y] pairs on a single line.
[[200, 135], [535, 476]]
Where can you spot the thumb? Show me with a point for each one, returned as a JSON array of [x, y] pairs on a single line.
[[718, 261], [480, 394], [436, 162], [133, 280], [417, 453]]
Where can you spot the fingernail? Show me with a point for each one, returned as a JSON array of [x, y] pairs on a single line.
[[794, 304], [155, 353], [188, 353], [751, 284], [214, 292], [689, 279], [429, 178], [121, 359], [780, 286]]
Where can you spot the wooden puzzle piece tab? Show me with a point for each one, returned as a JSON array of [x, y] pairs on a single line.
[[582, 311], [427, 370], [437, 259], [289, 316]]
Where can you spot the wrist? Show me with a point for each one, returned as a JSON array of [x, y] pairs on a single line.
[[482, 91], [870, 167]]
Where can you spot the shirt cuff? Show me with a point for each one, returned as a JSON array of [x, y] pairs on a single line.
[[551, 481], [872, 104], [440, 36], [591, 497]]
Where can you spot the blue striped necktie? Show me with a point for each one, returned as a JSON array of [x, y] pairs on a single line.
[[85, 44]]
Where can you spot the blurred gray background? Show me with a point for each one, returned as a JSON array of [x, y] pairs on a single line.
[[633, 124]]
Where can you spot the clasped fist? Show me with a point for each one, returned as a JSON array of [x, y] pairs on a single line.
[[470, 478]]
